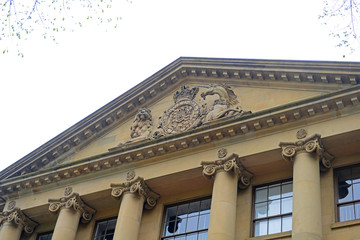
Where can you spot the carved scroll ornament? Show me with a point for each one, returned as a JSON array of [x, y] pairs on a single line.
[[17, 217], [312, 144], [73, 201], [136, 186], [229, 164]]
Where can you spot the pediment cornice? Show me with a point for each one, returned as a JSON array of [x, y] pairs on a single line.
[[274, 120], [339, 74]]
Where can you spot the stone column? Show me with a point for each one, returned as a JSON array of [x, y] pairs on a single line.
[[226, 171], [13, 222], [134, 193], [71, 209], [309, 157]]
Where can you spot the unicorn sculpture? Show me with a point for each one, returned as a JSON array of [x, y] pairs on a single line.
[[225, 106]]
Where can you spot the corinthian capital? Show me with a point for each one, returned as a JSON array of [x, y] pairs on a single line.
[[17, 217], [72, 200], [312, 144], [229, 164], [135, 186]]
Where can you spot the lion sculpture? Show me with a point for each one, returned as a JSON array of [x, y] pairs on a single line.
[[142, 126]]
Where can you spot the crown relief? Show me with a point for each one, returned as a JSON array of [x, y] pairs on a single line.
[[186, 113]]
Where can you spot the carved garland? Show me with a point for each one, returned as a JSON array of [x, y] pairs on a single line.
[[72, 200], [231, 163], [312, 144], [16, 216], [136, 186]]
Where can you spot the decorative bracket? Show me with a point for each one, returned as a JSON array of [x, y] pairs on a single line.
[[312, 144], [135, 186], [17, 217], [229, 163], [72, 200]]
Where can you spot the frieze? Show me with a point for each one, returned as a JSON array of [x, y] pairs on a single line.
[[135, 186], [17, 217], [229, 164], [73, 201], [312, 144]]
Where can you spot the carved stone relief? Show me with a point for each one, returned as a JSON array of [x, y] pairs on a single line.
[[17, 217], [225, 106], [186, 113], [135, 186], [73, 201], [229, 164]]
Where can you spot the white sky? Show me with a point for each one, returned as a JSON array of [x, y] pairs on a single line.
[[56, 85]]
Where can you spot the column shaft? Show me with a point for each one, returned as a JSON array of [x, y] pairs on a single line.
[[10, 231], [306, 223], [66, 224], [129, 218], [223, 207]]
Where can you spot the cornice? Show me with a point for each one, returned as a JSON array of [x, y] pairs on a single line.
[[271, 120], [121, 108]]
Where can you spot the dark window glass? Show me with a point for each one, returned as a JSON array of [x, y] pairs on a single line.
[[273, 209], [105, 229], [348, 193], [187, 221], [45, 236]]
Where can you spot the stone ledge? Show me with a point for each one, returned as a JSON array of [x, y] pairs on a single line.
[[345, 224], [272, 236]]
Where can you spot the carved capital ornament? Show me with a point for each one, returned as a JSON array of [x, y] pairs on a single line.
[[17, 217], [313, 145], [73, 201], [231, 164], [135, 186]]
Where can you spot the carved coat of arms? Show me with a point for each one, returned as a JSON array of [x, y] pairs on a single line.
[[185, 114]]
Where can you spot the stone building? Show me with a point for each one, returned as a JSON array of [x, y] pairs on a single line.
[[217, 149]]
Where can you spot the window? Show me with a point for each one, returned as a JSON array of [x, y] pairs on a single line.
[[45, 236], [348, 193], [272, 209], [187, 221], [105, 229]]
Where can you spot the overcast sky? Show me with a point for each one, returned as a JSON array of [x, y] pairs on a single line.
[[56, 85]]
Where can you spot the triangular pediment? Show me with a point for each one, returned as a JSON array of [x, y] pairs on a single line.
[[260, 86]]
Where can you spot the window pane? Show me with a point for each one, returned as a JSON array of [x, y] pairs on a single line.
[[170, 214], [260, 228], [274, 193], [180, 238], [170, 228], [356, 191], [101, 229], [346, 212], [356, 174], [261, 195], [192, 236], [286, 190], [182, 210], [260, 210], [202, 236], [345, 193], [194, 209], [109, 237], [357, 210], [286, 205], [286, 223], [180, 226], [274, 208], [274, 225], [111, 226], [171, 238], [192, 224], [344, 176], [204, 221], [205, 206]]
